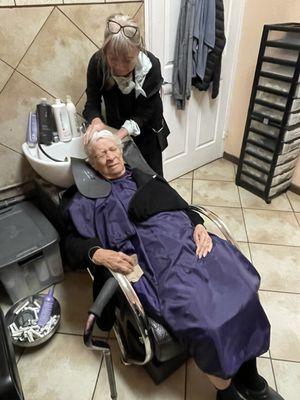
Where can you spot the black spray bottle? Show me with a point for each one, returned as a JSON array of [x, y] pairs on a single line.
[[45, 122]]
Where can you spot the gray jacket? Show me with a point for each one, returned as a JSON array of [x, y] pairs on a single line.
[[195, 35]]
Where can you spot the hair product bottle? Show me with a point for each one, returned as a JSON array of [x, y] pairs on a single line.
[[46, 308], [44, 118], [32, 130], [72, 117], [62, 121]]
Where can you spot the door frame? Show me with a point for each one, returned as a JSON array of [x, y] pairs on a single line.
[[236, 13]]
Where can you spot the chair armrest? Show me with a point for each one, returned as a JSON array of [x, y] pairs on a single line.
[[217, 221], [96, 309], [140, 318]]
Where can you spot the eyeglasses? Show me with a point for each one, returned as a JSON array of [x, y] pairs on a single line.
[[128, 30]]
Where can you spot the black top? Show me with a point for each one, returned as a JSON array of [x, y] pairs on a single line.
[[145, 111]]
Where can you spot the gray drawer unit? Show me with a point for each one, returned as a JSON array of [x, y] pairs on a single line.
[[271, 141]]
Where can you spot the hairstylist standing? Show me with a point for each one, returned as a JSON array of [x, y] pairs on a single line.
[[128, 79]]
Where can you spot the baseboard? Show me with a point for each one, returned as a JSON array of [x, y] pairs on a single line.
[[235, 160], [231, 157]]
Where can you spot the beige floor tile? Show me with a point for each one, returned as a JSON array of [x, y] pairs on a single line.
[[91, 18], [244, 248], [287, 376], [183, 187], [75, 297], [298, 217], [264, 367], [283, 312], [218, 170], [295, 200], [133, 383], [42, 60], [14, 42], [189, 175], [215, 193], [249, 200], [62, 368], [198, 387], [5, 73], [272, 227], [233, 219], [278, 266]]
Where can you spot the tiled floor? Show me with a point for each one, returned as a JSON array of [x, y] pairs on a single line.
[[267, 234]]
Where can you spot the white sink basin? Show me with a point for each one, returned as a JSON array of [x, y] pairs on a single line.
[[58, 173]]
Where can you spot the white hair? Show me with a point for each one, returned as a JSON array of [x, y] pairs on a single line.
[[103, 134]]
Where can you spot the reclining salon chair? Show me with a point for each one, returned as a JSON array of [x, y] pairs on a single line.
[[141, 339]]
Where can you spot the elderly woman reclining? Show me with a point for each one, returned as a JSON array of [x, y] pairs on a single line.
[[199, 284]]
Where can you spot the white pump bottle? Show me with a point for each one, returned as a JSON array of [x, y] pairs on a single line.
[[72, 117], [62, 121]]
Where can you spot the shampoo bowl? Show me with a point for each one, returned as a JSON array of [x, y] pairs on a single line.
[[57, 173]]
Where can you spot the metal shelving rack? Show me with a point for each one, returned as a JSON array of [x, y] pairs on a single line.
[[272, 133]]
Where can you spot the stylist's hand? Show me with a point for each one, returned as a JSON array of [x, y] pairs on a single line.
[[114, 260], [203, 241], [96, 125]]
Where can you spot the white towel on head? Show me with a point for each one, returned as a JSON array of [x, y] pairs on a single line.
[[101, 134]]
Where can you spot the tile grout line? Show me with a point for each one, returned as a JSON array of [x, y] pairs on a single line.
[[278, 291], [33, 40], [186, 380], [273, 371], [98, 375], [72, 22], [30, 44], [244, 220]]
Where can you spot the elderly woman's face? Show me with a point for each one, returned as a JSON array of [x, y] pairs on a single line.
[[122, 65], [108, 159]]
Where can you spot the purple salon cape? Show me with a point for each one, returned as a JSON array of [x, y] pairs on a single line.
[[211, 304]]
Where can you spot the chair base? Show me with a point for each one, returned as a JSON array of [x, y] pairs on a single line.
[[159, 371]]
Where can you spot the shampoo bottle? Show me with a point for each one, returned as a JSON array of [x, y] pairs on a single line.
[[46, 308], [44, 118], [72, 117], [32, 130], [62, 121]]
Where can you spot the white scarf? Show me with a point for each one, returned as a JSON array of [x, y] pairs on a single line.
[[126, 84]]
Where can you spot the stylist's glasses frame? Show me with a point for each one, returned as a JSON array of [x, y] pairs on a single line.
[[128, 30]]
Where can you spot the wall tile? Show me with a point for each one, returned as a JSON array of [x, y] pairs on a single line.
[[4, 3], [18, 27], [83, 1], [140, 19], [61, 52], [16, 100], [5, 73], [37, 2], [13, 168], [91, 19]]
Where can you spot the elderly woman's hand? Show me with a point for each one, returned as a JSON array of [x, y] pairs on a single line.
[[96, 125], [203, 241], [114, 260]]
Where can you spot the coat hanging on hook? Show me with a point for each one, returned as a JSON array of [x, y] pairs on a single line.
[[199, 44]]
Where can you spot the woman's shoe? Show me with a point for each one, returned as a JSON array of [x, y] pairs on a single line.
[[267, 393]]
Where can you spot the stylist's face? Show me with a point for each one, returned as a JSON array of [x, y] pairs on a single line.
[[108, 159], [123, 65]]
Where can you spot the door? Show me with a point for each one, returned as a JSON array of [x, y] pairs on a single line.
[[198, 132]]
